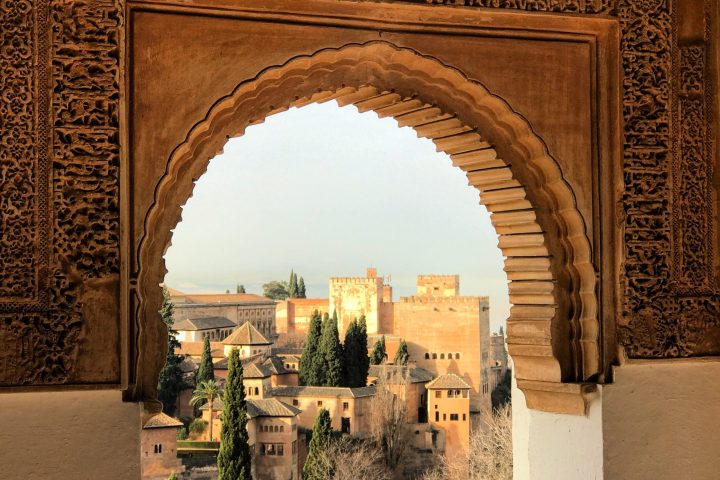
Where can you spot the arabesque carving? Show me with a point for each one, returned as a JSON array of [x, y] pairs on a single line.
[[60, 94], [419, 92]]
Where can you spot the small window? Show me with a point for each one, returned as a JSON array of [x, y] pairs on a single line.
[[346, 405], [434, 356], [453, 417], [157, 448], [294, 447], [438, 394], [282, 428], [276, 429], [464, 419], [442, 356], [294, 427], [280, 449], [465, 394], [296, 402], [427, 356], [457, 356], [444, 417], [319, 403], [437, 416], [257, 391]]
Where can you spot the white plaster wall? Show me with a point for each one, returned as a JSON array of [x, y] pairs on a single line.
[[69, 435], [661, 421], [551, 446]]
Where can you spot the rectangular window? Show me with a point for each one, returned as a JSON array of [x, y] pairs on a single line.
[[262, 449], [346, 405], [464, 417], [444, 417], [438, 394], [437, 416], [319, 403], [465, 394], [296, 402], [453, 417], [279, 449]]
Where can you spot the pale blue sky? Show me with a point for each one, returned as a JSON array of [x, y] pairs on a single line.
[[329, 191]]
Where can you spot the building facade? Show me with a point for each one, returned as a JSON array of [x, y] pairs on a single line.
[[158, 445]]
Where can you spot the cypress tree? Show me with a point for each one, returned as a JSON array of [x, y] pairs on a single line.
[[240, 288], [234, 462], [171, 379], [331, 354], [292, 285], [321, 437], [310, 356], [379, 354], [205, 371], [402, 356], [351, 356], [301, 288], [364, 359]]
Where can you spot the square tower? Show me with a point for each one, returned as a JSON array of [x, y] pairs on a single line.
[[438, 285]]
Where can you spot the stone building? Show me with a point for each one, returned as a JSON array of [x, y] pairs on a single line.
[[293, 315], [448, 409], [588, 127], [350, 408], [442, 329], [235, 307], [158, 448], [247, 340], [273, 438], [408, 383], [196, 329]]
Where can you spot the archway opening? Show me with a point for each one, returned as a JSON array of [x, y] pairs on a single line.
[[327, 191]]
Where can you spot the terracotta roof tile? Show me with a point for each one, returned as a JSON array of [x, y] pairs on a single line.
[[203, 323], [394, 373], [449, 380], [270, 407], [246, 334], [225, 298], [162, 421], [195, 349], [341, 392]]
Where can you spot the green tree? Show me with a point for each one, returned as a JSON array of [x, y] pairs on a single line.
[[301, 293], [173, 476], [362, 341], [171, 379], [293, 285], [206, 392], [309, 362], [331, 353], [205, 371], [353, 352], [234, 461], [240, 288], [277, 290], [402, 356], [321, 437], [379, 354]]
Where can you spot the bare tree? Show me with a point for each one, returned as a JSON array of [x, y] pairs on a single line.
[[348, 458], [489, 456], [389, 421]]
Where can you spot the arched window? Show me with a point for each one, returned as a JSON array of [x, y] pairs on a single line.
[[257, 391], [427, 356], [434, 356], [457, 356], [442, 356]]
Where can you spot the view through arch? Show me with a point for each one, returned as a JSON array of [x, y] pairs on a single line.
[[554, 311]]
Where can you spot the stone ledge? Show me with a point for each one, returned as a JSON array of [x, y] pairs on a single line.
[[568, 398]]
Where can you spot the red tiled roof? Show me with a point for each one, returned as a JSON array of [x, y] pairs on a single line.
[[246, 334]]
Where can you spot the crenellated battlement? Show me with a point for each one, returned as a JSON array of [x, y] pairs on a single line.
[[354, 280], [445, 300]]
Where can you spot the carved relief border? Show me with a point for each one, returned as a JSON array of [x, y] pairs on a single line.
[[401, 83], [62, 226]]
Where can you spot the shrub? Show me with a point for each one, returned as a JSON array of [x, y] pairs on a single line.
[[182, 433], [197, 426]]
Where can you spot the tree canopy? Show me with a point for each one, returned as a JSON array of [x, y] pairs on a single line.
[[240, 288], [356, 361], [301, 293], [309, 362], [402, 356], [205, 371], [331, 353], [277, 290], [379, 354], [321, 437], [234, 461], [171, 379]]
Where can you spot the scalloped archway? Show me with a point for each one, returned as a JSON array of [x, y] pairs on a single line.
[[553, 329]]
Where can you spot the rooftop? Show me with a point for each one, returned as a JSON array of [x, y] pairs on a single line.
[[246, 334], [233, 298], [162, 421], [341, 392], [448, 381], [253, 370], [203, 323], [276, 366], [395, 373], [195, 349], [270, 407]]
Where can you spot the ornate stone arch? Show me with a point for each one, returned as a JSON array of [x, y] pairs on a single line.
[[553, 329]]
